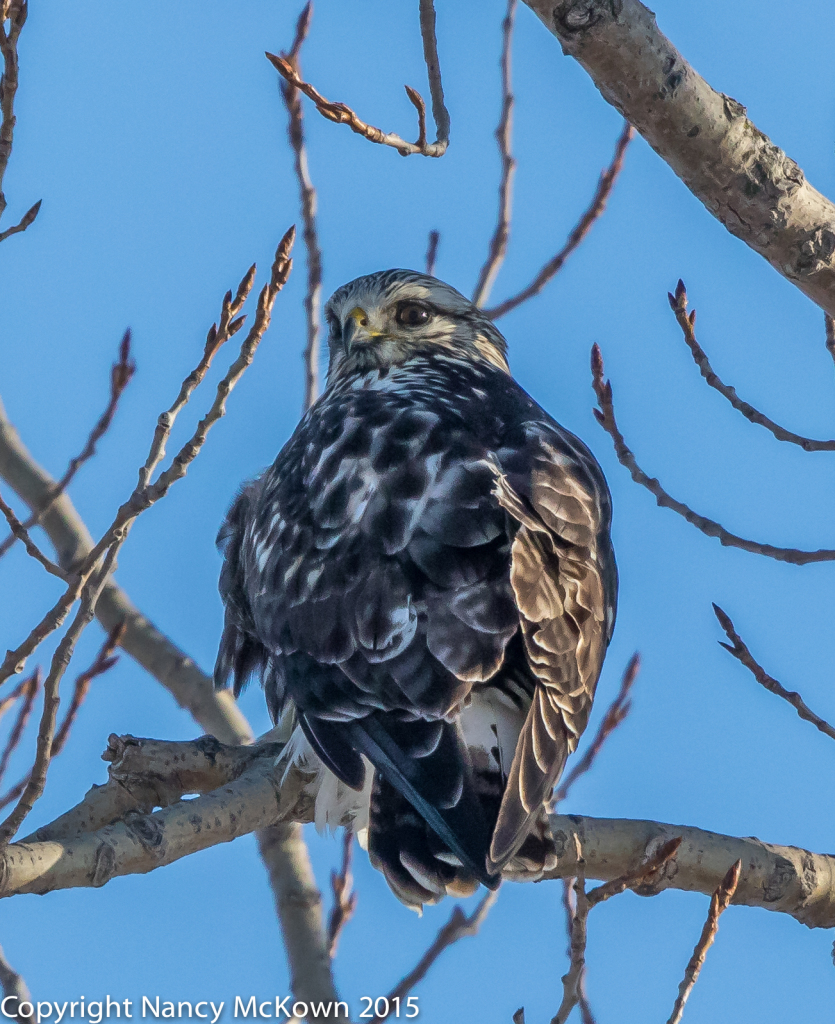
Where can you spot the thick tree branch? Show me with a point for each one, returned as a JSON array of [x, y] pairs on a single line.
[[606, 418], [115, 831], [298, 904], [743, 179]]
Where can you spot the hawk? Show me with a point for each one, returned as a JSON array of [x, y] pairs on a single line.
[[425, 584]]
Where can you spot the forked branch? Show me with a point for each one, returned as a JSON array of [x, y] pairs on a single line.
[[341, 113]]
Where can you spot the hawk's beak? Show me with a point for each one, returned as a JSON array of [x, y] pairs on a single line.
[[357, 331]]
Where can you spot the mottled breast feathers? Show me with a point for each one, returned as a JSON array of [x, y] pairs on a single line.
[[425, 577]]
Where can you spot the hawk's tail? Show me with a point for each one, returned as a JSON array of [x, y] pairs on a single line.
[[424, 778]]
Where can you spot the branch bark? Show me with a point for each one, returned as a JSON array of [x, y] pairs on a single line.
[[116, 831], [749, 184]]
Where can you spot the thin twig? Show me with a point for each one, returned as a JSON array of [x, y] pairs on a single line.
[[606, 418], [20, 532], [718, 903], [739, 650], [344, 899], [216, 711], [596, 208], [146, 493], [121, 373], [577, 934], [103, 662], [307, 196], [829, 325], [637, 877], [457, 927], [23, 223], [432, 252], [340, 113], [9, 701], [16, 14], [570, 908], [440, 114], [36, 782], [14, 987], [498, 243], [615, 714], [28, 691], [687, 323]]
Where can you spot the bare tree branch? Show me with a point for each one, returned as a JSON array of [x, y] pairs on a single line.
[[216, 712], [91, 577], [344, 898], [718, 903], [637, 878], [606, 418], [432, 252], [594, 211], [299, 908], [829, 326], [121, 374], [147, 493], [15, 14], [24, 222], [615, 714], [19, 532], [458, 926], [678, 303], [307, 197], [440, 114], [243, 792], [570, 908], [497, 249], [26, 693], [740, 651], [36, 781], [14, 987], [572, 982], [743, 179], [342, 114]]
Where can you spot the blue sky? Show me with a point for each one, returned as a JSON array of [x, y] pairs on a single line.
[[155, 136]]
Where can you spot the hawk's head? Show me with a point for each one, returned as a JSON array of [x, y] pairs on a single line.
[[386, 318]]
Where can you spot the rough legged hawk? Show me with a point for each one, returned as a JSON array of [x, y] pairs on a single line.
[[425, 584]]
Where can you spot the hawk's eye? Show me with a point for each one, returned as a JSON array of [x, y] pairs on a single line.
[[411, 314], [333, 324]]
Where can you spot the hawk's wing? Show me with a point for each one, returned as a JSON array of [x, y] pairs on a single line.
[[565, 582]]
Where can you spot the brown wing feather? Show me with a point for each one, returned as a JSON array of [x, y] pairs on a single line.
[[559, 589]]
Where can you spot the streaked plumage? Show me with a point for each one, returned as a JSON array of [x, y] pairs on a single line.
[[425, 584]]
